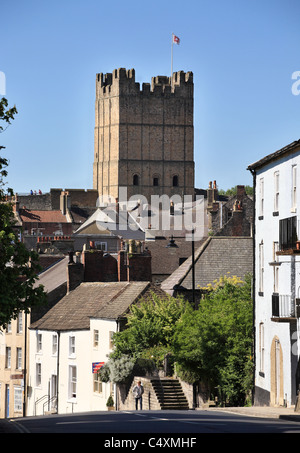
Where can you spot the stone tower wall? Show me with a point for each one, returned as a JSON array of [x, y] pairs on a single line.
[[145, 132]]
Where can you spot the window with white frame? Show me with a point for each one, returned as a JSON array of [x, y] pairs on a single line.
[[20, 323], [101, 246], [18, 399], [8, 357], [71, 345], [261, 267], [261, 197], [54, 344], [262, 347], [111, 343], [276, 191], [276, 267], [112, 389], [19, 359], [294, 187], [97, 383], [38, 374], [72, 381], [8, 328], [39, 342], [96, 338]]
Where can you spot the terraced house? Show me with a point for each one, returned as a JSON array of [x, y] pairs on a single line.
[[277, 276]]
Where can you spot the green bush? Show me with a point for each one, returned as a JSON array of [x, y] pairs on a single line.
[[110, 401]]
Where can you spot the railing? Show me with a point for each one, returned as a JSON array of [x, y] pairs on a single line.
[[39, 401], [283, 306], [52, 400], [48, 401]]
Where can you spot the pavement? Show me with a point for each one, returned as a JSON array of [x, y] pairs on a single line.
[[283, 413]]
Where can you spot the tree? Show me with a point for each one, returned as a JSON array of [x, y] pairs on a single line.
[[150, 325], [146, 339], [233, 191], [18, 266], [213, 344]]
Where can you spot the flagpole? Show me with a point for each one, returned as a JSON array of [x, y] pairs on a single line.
[[172, 60]]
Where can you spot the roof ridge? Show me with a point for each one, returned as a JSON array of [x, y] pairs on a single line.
[[183, 270]]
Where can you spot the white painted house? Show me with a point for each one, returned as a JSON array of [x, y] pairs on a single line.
[[71, 341], [277, 276]]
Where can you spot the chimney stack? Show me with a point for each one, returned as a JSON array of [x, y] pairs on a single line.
[[75, 273], [241, 192]]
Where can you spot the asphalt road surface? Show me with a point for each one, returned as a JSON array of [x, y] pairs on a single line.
[[175, 423]]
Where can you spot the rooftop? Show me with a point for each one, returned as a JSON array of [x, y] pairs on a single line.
[[103, 300], [289, 149], [216, 257], [28, 215]]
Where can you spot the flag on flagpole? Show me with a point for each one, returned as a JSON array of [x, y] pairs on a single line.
[[176, 40]]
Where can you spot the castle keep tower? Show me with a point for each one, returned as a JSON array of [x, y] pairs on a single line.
[[144, 139]]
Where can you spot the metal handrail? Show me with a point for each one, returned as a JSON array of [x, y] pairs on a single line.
[[48, 402], [38, 401]]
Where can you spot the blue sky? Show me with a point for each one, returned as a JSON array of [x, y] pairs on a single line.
[[242, 53]]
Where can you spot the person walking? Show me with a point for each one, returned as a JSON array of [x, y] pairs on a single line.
[[138, 391]]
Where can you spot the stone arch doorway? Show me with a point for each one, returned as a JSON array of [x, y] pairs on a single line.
[[277, 396]]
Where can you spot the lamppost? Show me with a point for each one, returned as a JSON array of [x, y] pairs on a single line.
[[193, 269], [173, 245]]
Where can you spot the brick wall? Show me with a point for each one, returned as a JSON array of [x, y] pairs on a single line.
[[97, 266]]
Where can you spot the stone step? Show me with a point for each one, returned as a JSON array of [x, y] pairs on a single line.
[[169, 394]]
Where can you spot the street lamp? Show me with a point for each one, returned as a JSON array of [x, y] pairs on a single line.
[[173, 245]]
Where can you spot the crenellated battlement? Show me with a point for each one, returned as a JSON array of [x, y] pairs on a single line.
[[144, 134], [123, 80]]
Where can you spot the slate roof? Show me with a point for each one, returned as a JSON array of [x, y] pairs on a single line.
[[164, 261], [80, 214], [292, 147], [54, 276], [102, 300], [214, 259]]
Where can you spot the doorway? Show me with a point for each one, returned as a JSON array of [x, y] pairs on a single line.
[[7, 401], [277, 398], [53, 391]]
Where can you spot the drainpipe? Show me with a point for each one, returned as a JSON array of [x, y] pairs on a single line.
[[25, 369], [118, 322], [57, 370], [254, 279]]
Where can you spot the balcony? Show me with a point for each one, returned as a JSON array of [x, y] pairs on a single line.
[[288, 236], [285, 308]]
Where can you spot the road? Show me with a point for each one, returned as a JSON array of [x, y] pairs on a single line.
[[175, 423]]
